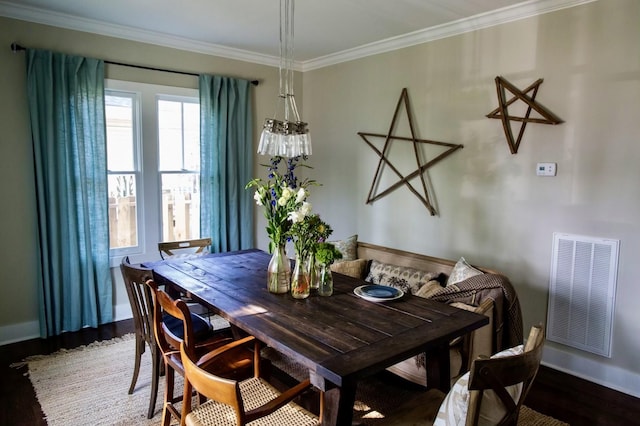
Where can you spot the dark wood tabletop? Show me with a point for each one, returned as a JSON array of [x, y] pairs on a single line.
[[340, 338]]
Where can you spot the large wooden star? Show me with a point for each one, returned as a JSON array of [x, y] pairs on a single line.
[[421, 167], [502, 111]]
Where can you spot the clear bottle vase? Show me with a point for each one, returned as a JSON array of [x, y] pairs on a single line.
[[279, 271], [325, 281], [300, 286], [312, 271]]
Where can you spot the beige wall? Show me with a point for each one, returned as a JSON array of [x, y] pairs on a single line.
[[493, 210]]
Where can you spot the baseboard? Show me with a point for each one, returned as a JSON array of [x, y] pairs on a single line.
[[14, 333], [616, 378], [18, 332]]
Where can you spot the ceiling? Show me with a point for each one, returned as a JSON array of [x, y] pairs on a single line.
[[326, 31]]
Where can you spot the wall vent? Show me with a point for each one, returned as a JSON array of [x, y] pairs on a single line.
[[582, 292]]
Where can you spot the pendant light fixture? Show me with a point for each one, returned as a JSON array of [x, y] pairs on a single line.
[[287, 136]]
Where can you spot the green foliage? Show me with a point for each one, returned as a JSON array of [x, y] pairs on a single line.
[[308, 233], [327, 253]]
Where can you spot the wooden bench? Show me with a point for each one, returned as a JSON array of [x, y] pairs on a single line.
[[463, 351]]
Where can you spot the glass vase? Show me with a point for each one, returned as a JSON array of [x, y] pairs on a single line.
[[325, 280], [312, 271], [279, 271], [300, 287]]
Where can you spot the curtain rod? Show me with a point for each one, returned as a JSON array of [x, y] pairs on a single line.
[[15, 47]]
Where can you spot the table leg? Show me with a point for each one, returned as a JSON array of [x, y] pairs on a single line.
[[438, 368], [338, 405]]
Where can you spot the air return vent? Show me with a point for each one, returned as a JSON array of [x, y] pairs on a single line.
[[582, 292]]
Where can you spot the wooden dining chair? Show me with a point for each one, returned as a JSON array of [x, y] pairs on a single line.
[[173, 325], [195, 247], [491, 393], [503, 376], [142, 309], [232, 402], [198, 246], [141, 302]]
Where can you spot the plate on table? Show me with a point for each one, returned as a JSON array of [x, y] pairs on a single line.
[[378, 293]]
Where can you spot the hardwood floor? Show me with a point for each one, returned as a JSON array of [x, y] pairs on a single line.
[[580, 402], [565, 397]]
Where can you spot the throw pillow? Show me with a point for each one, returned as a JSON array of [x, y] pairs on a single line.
[[461, 271], [407, 279], [352, 268], [348, 248], [429, 289], [453, 410]]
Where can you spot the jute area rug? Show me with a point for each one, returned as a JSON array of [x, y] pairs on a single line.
[[88, 386]]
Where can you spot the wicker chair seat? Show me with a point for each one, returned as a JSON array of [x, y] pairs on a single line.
[[255, 392]]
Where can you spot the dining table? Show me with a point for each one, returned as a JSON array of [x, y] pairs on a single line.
[[340, 339]]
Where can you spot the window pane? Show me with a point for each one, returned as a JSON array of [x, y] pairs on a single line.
[[179, 135], [120, 140], [180, 206], [123, 205], [192, 136]]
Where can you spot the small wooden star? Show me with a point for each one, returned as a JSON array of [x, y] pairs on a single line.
[[503, 114], [421, 167]]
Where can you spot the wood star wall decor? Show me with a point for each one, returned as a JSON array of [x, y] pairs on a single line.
[[503, 114], [421, 165]]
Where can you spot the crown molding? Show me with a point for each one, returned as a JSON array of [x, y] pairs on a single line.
[[461, 26], [31, 14], [485, 20]]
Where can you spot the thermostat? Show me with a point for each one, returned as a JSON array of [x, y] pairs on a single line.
[[546, 169]]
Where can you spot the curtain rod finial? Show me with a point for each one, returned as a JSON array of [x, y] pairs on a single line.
[[16, 47]]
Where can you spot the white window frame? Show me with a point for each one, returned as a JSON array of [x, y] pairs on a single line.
[[137, 172], [149, 199], [181, 99]]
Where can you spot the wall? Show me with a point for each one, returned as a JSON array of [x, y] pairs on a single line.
[[19, 305], [492, 209]]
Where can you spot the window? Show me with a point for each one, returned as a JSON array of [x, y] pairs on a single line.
[[153, 163], [123, 140], [179, 151]]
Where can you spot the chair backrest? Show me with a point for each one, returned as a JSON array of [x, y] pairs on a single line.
[[168, 340], [140, 298], [174, 248], [499, 373], [226, 391]]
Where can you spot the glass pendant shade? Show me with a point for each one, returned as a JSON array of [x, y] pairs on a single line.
[[289, 136], [284, 138]]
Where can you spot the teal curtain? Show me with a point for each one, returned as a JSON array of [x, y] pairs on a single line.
[[226, 162], [66, 107]]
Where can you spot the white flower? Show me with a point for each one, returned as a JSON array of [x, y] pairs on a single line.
[[305, 209], [296, 216], [258, 197], [286, 193], [302, 195], [282, 201]]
